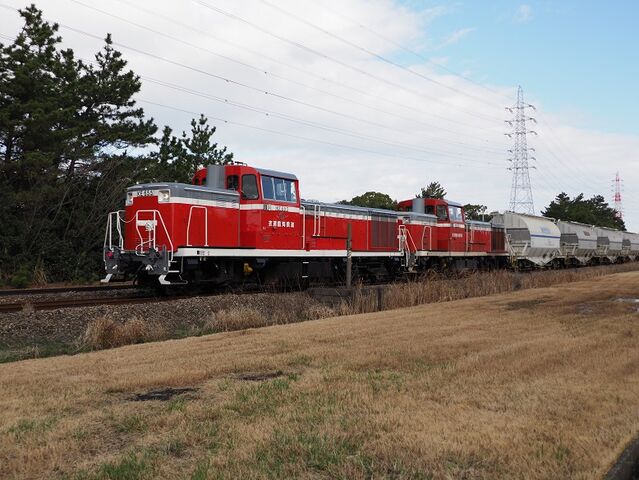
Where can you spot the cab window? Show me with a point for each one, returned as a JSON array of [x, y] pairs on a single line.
[[249, 187], [442, 213], [233, 182], [455, 214], [278, 189], [430, 210]]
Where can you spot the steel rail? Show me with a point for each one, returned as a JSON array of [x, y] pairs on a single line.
[[38, 305], [56, 290]]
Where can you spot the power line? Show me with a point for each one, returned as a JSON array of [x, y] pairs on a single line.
[[283, 116], [192, 45], [301, 121], [382, 58], [331, 59], [237, 83], [262, 55], [572, 171], [307, 139], [575, 171], [415, 53], [233, 82], [563, 179], [293, 119]]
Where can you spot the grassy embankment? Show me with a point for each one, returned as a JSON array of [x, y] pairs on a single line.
[[46, 334], [540, 383]]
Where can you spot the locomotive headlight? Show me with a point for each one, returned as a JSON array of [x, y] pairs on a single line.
[[129, 198], [164, 196]]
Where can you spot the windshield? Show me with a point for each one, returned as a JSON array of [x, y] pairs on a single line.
[[455, 214], [249, 187], [278, 189], [441, 212]]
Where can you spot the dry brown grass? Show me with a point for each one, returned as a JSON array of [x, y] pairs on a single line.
[[538, 384], [280, 309], [236, 319], [437, 288], [243, 317], [105, 332]]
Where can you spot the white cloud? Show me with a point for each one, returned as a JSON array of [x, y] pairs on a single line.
[[456, 133], [523, 14], [455, 37]]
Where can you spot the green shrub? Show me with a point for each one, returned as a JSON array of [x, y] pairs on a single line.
[[19, 280]]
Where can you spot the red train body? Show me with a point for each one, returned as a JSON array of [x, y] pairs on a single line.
[[239, 223]]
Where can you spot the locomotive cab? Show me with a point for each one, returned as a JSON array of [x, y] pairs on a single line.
[[451, 224], [269, 204], [445, 210]]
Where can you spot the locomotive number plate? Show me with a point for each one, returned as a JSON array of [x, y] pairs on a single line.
[[280, 208], [145, 193]]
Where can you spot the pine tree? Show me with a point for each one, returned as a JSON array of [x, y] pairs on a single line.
[[64, 126], [67, 133], [178, 159], [592, 211], [432, 190]]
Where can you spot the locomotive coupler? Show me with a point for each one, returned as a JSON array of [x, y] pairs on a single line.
[[156, 262], [111, 264]]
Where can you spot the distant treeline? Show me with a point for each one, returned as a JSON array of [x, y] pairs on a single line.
[[591, 211]]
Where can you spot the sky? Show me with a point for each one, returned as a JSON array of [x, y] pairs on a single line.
[[386, 95]]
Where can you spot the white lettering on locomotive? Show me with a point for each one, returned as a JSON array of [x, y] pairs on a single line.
[[281, 224]]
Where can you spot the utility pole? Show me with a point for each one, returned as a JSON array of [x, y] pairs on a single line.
[[618, 187], [349, 255], [521, 197]]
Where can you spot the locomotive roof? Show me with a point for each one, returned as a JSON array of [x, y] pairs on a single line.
[[448, 202], [357, 208], [275, 173]]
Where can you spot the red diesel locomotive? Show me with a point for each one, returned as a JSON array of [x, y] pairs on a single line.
[[236, 224]]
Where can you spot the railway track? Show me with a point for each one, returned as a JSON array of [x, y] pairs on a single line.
[[76, 302], [139, 298], [58, 290]]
